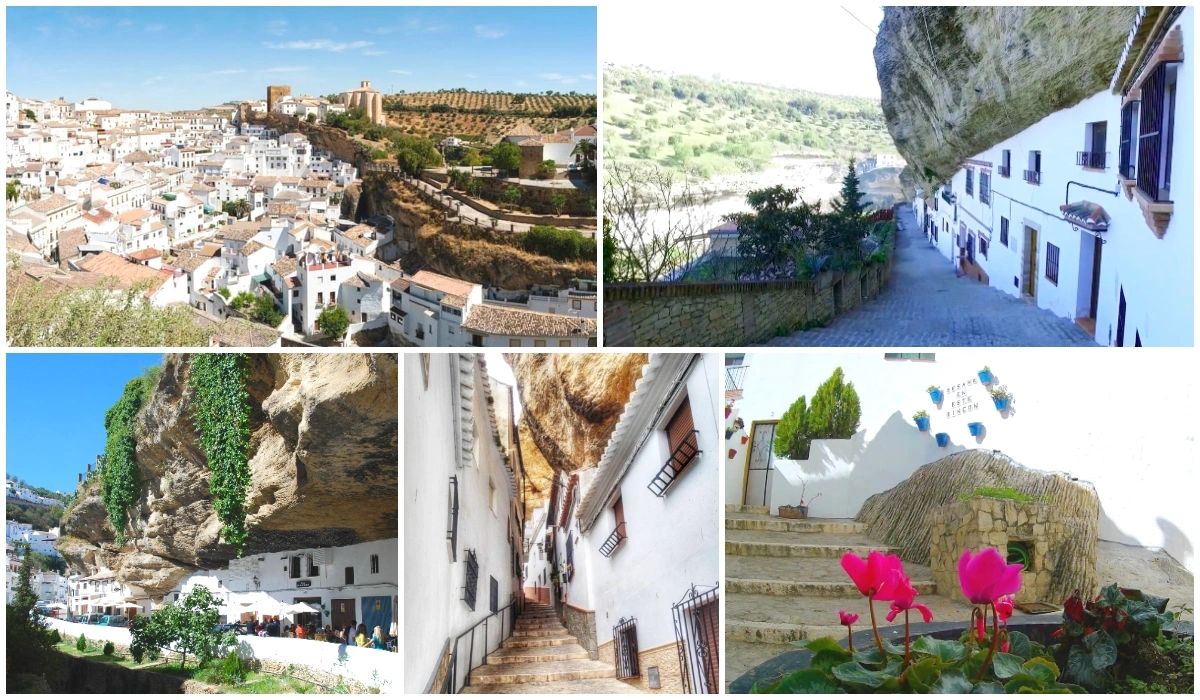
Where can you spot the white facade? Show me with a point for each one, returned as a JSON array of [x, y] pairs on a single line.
[[1136, 286], [461, 504], [1118, 422]]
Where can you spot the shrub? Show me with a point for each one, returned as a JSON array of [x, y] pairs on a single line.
[[230, 670], [559, 244], [546, 170], [333, 322], [1006, 493], [81, 643], [109, 649], [55, 637]]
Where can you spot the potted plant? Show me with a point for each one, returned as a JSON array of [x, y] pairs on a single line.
[[943, 439], [935, 393], [1000, 398], [921, 418], [799, 512], [985, 375], [975, 428]]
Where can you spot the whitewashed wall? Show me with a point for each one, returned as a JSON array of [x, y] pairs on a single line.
[[1122, 421]]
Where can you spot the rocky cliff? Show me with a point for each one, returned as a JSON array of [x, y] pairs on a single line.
[[427, 243], [957, 80], [324, 470], [340, 144], [570, 403]]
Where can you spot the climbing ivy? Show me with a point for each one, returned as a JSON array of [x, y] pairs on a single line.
[[222, 419], [118, 465]]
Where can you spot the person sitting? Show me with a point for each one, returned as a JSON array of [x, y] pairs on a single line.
[[298, 631], [348, 632], [360, 637], [377, 640]]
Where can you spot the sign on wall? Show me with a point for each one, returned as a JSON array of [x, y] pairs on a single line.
[[303, 583]]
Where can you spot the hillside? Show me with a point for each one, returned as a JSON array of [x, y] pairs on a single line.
[[713, 126], [486, 116]]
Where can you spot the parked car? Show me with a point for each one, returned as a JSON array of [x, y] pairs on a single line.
[[93, 618], [117, 621]]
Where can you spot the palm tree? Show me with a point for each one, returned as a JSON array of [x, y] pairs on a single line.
[[585, 150]]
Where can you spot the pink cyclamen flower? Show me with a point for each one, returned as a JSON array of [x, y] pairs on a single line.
[[1004, 607], [1004, 647], [904, 597], [985, 577], [871, 575], [979, 627], [847, 618]]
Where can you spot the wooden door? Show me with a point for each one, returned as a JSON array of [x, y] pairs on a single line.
[[708, 643], [1121, 320], [1031, 262], [342, 612], [1097, 250]]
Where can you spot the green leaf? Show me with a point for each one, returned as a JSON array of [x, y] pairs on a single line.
[[1103, 649], [1022, 683], [952, 681], [853, 673], [1006, 665], [807, 681], [1081, 670], [1020, 645], [988, 688], [1045, 670], [822, 644], [923, 674], [870, 657], [893, 648], [826, 659], [944, 649]]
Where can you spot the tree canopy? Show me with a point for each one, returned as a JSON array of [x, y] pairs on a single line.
[[833, 414]]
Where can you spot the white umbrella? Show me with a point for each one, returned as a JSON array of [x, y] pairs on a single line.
[[296, 608]]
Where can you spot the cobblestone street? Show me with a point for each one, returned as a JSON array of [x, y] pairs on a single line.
[[925, 305]]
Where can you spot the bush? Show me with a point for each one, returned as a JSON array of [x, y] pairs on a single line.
[[546, 170], [230, 670], [81, 643], [55, 637], [333, 322], [559, 244], [108, 649], [833, 414]]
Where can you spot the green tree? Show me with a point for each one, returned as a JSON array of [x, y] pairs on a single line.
[[24, 597], [848, 223], [12, 190], [610, 253], [333, 322], [833, 414], [474, 186], [546, 170], [238, 209], [511, 196], [265, 311], [558, 202], [30, 115], [187, 627], [471, 158], [778, 228], [414, 154], [310, 118], [506, 156]]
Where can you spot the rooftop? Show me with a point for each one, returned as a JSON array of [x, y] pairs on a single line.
[[503, 320], [442, 283]]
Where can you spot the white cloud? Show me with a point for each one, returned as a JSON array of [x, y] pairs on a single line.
[[125, 23], [471, 76], [587, 76], [154, 27], [400, 71], [286, 69], [319, 45], [153, 80], [278, 27], [485, 31], [558, 78], [374, 52], [227, 71]]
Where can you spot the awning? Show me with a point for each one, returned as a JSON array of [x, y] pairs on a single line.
[[262, 279], [1086, 215]]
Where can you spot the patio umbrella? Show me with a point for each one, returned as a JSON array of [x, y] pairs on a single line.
[[297, 608]]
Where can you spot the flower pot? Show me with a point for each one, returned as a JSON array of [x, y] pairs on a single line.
[[1001, 404], [985, 376], [975, 428], [923, 423], [943, 439], [794, 512], [936, 395]]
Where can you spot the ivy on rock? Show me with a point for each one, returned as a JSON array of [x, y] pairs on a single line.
[[118, 464], [222, 419]]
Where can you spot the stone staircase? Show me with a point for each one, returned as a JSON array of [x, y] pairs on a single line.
[[784, 583], [543, 657]]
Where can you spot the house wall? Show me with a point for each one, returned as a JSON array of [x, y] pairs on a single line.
[[1089, 415], [656, 531]]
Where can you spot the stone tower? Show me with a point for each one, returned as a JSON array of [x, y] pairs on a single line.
[[276, 93], [368, 99]]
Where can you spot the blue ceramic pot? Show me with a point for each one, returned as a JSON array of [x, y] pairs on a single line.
[[943, 439], [936, 395], [975, 428], [985, 376], [1001, 404], [923, 423]]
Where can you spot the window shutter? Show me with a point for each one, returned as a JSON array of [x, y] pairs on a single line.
[[680, 427]]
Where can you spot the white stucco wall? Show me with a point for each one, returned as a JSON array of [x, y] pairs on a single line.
[[673, 541], [1121, 421]]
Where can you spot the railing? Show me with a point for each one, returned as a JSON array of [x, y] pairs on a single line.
[[1089, 159], [734, 376], [1004, 170], [1033, 177], [471, 582], [697, 636], [625, 638], [948, 196], [452, 525], [614, 540], [504, 629], [686, 451]]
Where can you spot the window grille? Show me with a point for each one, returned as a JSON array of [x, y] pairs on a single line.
[[471, 582], [625, 640], [698, 639], [1052, 262], [452, 524]]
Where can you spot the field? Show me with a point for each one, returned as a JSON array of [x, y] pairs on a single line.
[[485, 117], [713, 127]]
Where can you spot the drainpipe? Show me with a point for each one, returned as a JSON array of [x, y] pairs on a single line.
[[1067, 196]]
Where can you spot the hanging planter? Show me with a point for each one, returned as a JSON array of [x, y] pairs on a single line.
[[985, 375], [943, 439], [921, 418], [1000, 397], [935, 394], [975, 428]]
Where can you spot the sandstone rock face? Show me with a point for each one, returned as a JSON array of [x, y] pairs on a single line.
[[571, 404], [957, 80], [324, 470], [924, 513]]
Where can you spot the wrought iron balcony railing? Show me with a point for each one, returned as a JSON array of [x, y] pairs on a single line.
[[1089, 159], [614, 541], [684, 453], [1033, 177], [1004, 170]]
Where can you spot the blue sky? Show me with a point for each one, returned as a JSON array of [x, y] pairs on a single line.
[[55, 411], [189, 57]]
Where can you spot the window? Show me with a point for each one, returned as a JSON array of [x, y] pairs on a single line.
[[1052, 263], [313, 569], [1128, 113], [349, 575], [476, 340], [1034, 174], [491, 496], [320, 298], [514, 342], [983, 247], [970, 181], [333, 298], [493, 594], [1005, 163], [625, 637], [294, 567], [452, 523], [539, 343], [985, 187], [617, 537], [916, 356], [971, 247], [471, 579], [1156, 133], [576, 304], [1004, 231], [682, 448], [1095, 138], [374, 563], [564, 343]]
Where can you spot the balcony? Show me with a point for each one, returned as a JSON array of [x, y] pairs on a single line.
[[1089, 159], [614, 540], [1033, 177], [1004, 170], [683, 455], [948, 196]]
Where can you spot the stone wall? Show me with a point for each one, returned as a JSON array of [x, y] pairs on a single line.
[[1054, 563], [582, 625], [86, 676], [733, 313], [664, 657]]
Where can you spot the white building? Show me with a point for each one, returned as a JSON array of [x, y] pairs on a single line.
[[627, 573], [1089, 213], [1067, 413], [463, 513]]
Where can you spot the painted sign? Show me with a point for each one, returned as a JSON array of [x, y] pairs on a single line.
[[965, 398], [303, 583]]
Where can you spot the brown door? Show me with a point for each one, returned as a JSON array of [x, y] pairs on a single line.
[[1031, 263], [708, 645], [1097, 251], [342, 612]]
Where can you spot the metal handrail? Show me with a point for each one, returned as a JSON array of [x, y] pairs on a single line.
[[614, 540], [450, 684]]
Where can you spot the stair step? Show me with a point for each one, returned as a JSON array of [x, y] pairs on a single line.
[[541, 671], [811, 525], [759, 510], [547, 632], [599, 686], [564, 652], [787, 576], [820, 589], [538, 642], [820, 545]]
